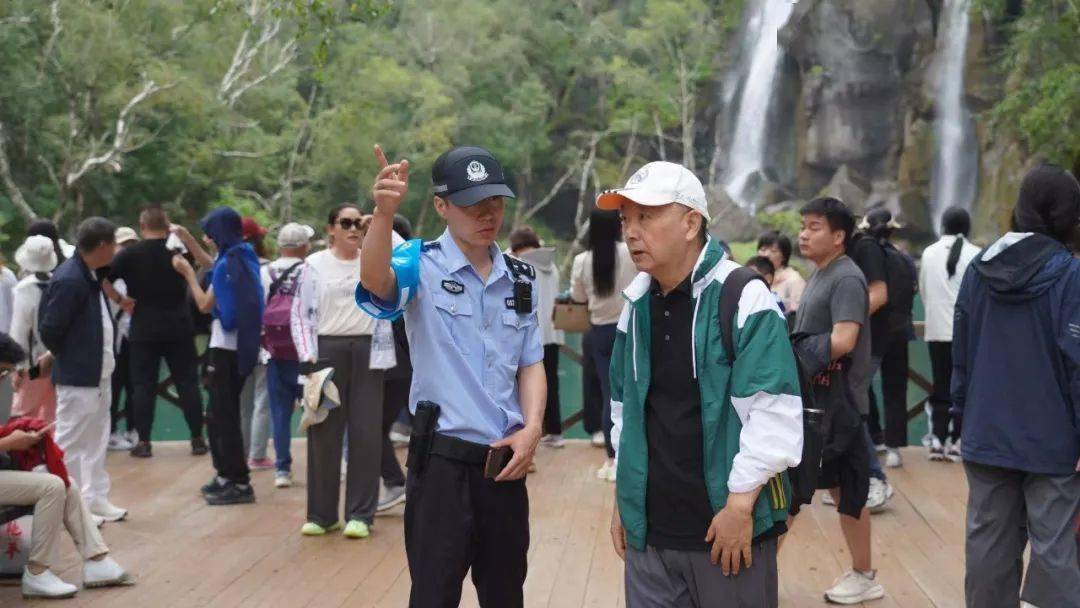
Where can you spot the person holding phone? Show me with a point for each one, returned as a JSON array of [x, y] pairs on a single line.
[[479, 404]]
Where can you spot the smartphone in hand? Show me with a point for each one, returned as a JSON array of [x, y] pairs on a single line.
[[497, 459]]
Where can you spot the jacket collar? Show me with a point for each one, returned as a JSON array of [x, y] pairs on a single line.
[[706, 269]]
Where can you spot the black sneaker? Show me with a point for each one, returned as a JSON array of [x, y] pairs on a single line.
[[142, 450], [198, 446], [213, 487], [232, 494]]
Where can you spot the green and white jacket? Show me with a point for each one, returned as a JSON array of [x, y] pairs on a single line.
[[751, 412]]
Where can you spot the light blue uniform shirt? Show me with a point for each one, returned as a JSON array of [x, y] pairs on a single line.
[[466, 340]]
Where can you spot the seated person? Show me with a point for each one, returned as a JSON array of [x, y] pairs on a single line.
[[54, 503]]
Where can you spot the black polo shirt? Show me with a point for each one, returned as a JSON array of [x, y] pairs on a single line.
[[677, 508], [676, 500]]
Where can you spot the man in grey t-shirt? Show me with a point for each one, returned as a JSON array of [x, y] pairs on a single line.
[[836, 303], [837, 293]]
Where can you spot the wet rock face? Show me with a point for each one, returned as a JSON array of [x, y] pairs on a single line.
[[857, 61]]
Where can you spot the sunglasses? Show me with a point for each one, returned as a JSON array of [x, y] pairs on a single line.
[[349, 224]]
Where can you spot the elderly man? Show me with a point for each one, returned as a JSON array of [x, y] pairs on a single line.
[[703, 437], [76, 326]]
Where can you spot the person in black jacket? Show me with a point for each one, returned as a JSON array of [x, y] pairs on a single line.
[[75, 324]]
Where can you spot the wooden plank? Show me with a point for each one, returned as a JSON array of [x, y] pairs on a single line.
[[188, 554]]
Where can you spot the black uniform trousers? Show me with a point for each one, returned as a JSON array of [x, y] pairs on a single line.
[[456, 520]]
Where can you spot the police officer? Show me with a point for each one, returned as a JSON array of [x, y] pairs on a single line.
[[479, 388]]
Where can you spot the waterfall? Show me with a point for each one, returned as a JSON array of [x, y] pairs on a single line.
[[953, 180], [747, 147]]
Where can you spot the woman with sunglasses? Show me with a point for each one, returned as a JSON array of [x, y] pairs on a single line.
[[345, 342]]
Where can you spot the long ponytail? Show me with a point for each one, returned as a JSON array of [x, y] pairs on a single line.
[[956, 221]]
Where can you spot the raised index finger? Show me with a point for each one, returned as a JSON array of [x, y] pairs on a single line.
[[380, 157]]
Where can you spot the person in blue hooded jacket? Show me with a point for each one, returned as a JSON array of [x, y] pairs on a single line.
[[235, 298], [1016, 384]]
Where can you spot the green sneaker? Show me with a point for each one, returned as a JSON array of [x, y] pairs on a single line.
[[357, 529], [313, 529]]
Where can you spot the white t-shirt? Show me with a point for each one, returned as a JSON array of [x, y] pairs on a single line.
[[938, 290], [108, 359], [602, 310], [338, 313], [7, 287], [219, 338]]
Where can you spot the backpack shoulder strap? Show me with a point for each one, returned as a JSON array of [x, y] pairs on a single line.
[[730, 294], [276, 284]]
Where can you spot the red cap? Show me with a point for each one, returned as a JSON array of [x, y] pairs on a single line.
[[251, 229]]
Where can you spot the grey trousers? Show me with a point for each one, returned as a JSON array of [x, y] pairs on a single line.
[[360, 412], [666, 578], [255, 413], [1006, 510]]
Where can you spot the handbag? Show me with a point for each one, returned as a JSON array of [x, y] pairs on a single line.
[[571, 317]]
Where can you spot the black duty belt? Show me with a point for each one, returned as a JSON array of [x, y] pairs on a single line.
[[459, 449]]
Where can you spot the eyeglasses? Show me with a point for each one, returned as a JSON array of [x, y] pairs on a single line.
[[349, 224]]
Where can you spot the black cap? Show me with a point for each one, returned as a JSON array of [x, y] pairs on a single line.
[[467, 175]]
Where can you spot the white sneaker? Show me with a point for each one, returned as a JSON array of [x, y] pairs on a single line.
[[107, 511], [880, 448], [893, 459], [118, 442], [283, 479], [98, 520], [935, 452], [877, 497], [952, 451], [827, 499], [104, 572], [606, 472], [598, 439], [854, 587], [46, 585], [552, 441]]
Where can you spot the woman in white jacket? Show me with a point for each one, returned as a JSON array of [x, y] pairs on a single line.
[[35, 396], [942, 269]]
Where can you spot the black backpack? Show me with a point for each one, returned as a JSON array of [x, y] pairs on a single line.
[[804, 476], [903, 283]]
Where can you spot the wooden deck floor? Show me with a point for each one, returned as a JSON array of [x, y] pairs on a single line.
[[188, 554]]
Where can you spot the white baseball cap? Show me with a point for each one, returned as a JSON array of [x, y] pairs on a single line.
[[656, 184], [125, 234], [294, 235]]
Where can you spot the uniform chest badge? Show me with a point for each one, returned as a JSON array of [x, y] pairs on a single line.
[[453, 287], [510, 303]]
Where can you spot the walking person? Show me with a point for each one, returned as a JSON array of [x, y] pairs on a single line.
[[1016, 384], [35, 394], [57, 504], [525, 244], [254, 399], [697, 521], [598, 276], [345, 340], [122, 387], [236, 299], [869, 256], [944, 264], [835, 305], [901, 283], [290, 323], [161, 329], [76, 327], [478, 406], [396, 386]]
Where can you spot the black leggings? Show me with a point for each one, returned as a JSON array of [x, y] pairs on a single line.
[[941, 397], [552, 412]]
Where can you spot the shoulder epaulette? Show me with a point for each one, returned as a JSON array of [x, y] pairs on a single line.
[[431, 245], [519, 267]]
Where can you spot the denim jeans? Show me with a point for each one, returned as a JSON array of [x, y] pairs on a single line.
[[283, 390]]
